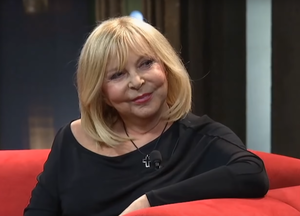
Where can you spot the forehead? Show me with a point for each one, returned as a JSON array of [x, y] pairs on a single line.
[[131, 49]]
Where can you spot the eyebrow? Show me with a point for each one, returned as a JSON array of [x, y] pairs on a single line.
[[115, 68]]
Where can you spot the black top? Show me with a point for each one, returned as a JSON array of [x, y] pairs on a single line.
[[202, 159]]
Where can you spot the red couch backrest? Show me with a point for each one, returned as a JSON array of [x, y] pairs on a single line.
[[18, 172]]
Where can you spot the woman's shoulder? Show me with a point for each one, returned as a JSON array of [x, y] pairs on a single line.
[[72, 131], [204, 129], [65, 133], [81, 137], [206, 125], [70, 135], [76, 129], [79, 133]]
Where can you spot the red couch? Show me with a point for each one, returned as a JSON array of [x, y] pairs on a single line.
[[19, 168]]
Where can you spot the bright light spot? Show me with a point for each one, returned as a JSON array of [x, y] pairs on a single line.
[[137, 15]]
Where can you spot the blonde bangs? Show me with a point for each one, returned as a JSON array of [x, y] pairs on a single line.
[[125, 41]]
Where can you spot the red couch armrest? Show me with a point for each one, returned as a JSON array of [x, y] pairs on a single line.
[[283, 171]]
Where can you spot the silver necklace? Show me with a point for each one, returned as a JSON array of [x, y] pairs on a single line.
[[146, 160]]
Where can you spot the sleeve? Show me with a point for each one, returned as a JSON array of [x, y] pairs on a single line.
[[239, 174], [44, 199]]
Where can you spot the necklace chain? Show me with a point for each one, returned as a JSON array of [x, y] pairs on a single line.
[[137, 146]]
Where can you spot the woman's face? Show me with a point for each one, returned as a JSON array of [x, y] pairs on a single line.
[[140, 90]]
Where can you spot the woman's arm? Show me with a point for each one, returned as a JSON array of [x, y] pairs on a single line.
[[241, 175]]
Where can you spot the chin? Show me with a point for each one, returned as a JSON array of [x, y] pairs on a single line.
[[147, 112]]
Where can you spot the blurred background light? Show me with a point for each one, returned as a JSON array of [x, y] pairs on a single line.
[[137, 15]]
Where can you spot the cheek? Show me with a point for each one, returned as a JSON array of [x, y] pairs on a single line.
[[161, 75], [114, 93], [161, 84], [165, 84], [161, 79]]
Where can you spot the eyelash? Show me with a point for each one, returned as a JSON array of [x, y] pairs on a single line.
[[147, 63], [116, 75]]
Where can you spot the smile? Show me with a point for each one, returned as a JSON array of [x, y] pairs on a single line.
[[143, 98]]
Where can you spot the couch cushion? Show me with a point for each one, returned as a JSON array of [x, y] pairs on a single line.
[[290, 195], [281, 202]]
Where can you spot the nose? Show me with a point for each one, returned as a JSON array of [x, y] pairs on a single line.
[[136, 81]]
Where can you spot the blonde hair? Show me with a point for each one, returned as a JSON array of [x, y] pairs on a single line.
[[113, 38]]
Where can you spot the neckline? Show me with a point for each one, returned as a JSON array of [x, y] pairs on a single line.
[[119, 157]]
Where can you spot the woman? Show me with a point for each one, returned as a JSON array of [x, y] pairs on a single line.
[[137, 144]]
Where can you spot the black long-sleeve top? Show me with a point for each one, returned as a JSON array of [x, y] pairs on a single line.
[[201, 159]]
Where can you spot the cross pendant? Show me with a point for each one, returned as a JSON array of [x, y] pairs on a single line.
[[146, 161]]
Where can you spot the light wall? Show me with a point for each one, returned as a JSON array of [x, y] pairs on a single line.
[[258, 89]]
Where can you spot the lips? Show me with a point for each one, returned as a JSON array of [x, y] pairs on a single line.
[[143, 98]]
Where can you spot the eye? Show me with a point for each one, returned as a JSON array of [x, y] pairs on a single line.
[[147, 63], [116, 75]]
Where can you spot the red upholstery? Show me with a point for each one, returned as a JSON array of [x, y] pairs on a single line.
[[231, 207], [18, 172], [283, 171], [19, 168]]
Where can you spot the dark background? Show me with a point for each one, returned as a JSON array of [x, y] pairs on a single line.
[[37, 66]]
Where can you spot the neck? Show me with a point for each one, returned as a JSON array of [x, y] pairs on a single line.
[[139, 126]]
